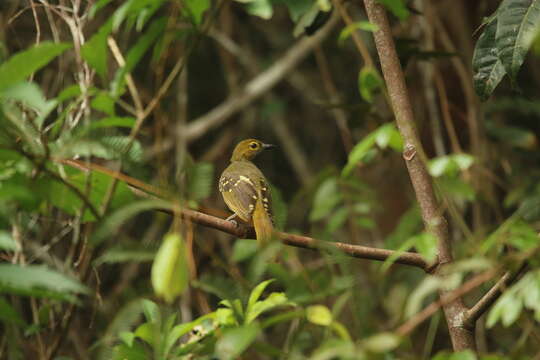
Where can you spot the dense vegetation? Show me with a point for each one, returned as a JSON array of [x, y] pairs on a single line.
[[117, 117]]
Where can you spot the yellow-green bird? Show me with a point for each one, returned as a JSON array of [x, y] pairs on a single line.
[[245, 190]]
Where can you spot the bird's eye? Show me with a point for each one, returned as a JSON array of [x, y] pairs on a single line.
[[253, 145]]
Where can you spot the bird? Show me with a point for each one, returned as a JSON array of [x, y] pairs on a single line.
[[246, 191]]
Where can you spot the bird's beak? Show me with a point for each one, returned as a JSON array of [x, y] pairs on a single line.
[[268, 146]]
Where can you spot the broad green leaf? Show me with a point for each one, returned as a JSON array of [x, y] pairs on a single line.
[[104, 102], [326, 199], [449, 164], [319, 314], [39, 281], [149, 332], [396, 7], [235, 341], [257, 292], [28, 61], [273, 301], [517, 25], [369, 82], [170, 273], [487, 67], [94, 51], [381, 343], [124, 352], [151, 311], [30, 95], [196, 9], [6, 242]]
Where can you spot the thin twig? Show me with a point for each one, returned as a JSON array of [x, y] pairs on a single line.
[[444, 300], [492, 295], [258, 85]]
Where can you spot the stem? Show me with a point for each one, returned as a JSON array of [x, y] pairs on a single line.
[[462, 338]]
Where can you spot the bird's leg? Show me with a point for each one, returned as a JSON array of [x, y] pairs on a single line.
[[231, 219]]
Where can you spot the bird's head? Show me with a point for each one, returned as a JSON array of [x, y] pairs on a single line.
[[248, 149]]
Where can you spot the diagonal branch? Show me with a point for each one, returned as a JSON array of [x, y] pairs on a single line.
[[492, 295], [260, 84]]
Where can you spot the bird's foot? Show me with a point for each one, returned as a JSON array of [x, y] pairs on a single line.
[[231, 219]]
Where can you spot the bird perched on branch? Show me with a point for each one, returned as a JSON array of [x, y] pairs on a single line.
[[245, 190]]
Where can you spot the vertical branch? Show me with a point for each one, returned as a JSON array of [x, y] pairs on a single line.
[[462, 337]]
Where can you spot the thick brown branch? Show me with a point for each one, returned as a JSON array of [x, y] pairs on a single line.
[[462, 338], [492, 295]]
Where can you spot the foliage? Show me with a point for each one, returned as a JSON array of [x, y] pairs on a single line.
[[96, 91]]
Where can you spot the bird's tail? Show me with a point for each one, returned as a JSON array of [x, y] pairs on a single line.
[[262, 224]]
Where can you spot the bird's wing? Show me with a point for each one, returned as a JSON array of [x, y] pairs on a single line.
[[239, 193]]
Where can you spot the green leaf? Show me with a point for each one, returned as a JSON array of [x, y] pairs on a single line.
[[257, 292], [170, 273], [450, 164], [104, 102], [426, 244], [235, 341], [196, 9], [297, 8], [396, 7], [381, 343], [151, 311], [243, 249], [349, 29], [487, 67], [31, 96], [6, 241], [134, 55], [260, 8], [121, 255], [94, 51], [337, 219], [8, 314], [28, 61], [362, 149], [66, 199], [113, 121], [117, 218], [273, 301], [200, 180], [319, 314], [39, 281], [326, 199], [517, 25], [369, 82]]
